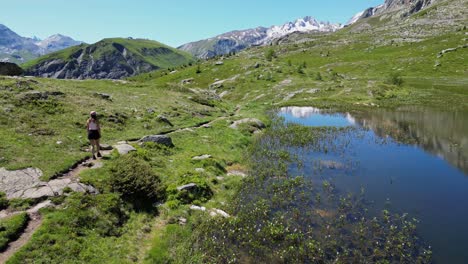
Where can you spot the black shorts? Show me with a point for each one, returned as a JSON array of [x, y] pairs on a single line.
[[94, 134]]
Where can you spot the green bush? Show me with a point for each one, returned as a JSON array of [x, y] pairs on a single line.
[[270, 54], [395, 78], [20, 204], [202, 192], [11, 228], [134, 179], [3, 201]]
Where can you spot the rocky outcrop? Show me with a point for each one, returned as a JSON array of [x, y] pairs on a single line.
[[400, 8], [26, 184], [10, 69]]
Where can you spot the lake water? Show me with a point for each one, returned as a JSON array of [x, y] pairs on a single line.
[[410, 160]]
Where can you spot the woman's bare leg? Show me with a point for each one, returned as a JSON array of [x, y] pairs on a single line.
[[93, 144], [98, 147]]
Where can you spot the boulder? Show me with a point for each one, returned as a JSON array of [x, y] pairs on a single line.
[[124, 149], [158, 139], [250, 121]]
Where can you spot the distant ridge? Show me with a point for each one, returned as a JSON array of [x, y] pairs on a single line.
[[240, 39], [113, 58], [18, 49]]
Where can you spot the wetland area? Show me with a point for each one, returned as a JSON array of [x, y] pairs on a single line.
[[410, 161]]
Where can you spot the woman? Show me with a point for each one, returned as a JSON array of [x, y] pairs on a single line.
[[94, 133]]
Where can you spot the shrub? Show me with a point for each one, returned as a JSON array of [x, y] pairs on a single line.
[[134, 179], [202, 192], [395, 78], [3, 201], [11, 228], [270, 54]]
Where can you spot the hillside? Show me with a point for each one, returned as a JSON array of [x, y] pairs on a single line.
[[107, 59]]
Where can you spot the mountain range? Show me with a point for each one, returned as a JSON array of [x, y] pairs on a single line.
[[18, 49], [238, 40]]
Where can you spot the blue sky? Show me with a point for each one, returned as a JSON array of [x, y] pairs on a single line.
[[173, 22]]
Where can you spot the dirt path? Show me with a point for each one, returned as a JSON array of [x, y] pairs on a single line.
[[13, 247]]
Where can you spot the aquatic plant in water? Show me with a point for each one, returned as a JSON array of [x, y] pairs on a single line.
[[282, 218]]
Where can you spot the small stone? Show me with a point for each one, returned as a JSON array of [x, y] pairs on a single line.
[[187, 187], [105, 147], [59, 142], [104, 96], [197, 208], [202, 157], [182, 221], [218, 63], [187, 81], [200, 170]]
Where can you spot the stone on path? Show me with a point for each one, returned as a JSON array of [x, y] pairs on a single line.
[[124, 149]]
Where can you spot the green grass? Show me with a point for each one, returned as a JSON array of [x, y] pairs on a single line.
[[11, 228], [354, 76]]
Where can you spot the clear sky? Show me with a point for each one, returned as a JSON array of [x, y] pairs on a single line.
[[173, 22]]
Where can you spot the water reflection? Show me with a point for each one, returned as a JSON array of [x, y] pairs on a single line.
[[440, 133]]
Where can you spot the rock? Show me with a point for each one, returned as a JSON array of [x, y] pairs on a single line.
[[150, 111], [164, 119], [331, 164], [182, 221], [314, 90], [105, 147], [158, 139], [187, 187], [187, 81], [221, 213], [104, 96], [250, 121], [257, 65], [223, 94], [197, 208], [236, 173], [285, 82], [199, 169], [219, 63], [26, 184], [217, 84], [10, 69], [39, 206], [202, 157], [34, 95], [124, 149]]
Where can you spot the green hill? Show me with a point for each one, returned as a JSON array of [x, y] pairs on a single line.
[[112, 58]]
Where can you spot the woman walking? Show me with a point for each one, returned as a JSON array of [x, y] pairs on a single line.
[[94, 133]]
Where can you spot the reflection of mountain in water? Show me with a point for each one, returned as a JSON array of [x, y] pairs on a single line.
[[441, 133]]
